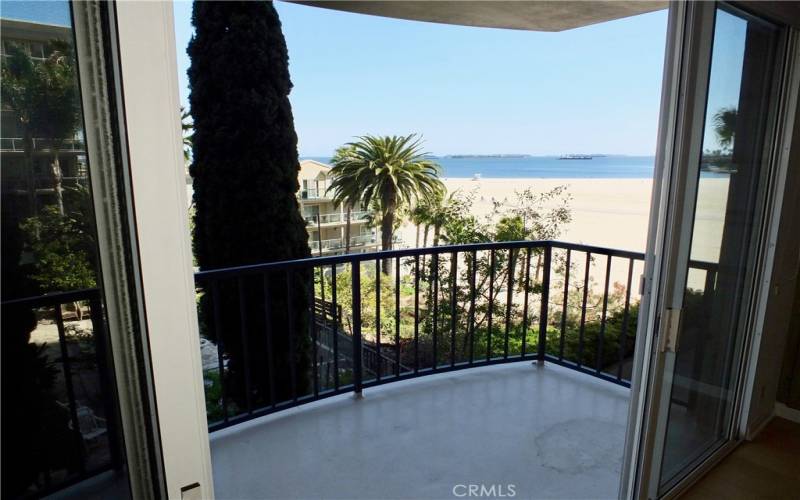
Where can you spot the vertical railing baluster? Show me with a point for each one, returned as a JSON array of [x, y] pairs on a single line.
[[435, 264], [453, 297], [623, 334], [708, 289], [335, 328], [245, 345], [472, 293], [509, 298], [106, 378], [312, 330], [602, 334], [545, 302], [525, 300], [322, 284], [268, 335], [67, 369], [290, 325], [356, 293], [416, 314], [564, 307], [491, 306], [707, 305], [220, 347], [378, 318], [583, 307], [397, 317]]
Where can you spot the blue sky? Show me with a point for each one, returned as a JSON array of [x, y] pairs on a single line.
[[49, 12], [468, 90]]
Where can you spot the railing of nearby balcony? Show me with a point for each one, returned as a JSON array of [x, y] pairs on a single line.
[[389, 316], [61, 342], [336, 218], [314, 194], [339, 243], [17, 144], [41, 183]]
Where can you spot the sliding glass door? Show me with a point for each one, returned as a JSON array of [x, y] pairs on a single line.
[[712, 249], [717, 272]]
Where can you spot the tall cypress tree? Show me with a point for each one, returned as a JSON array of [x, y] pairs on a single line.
[[244, 169]]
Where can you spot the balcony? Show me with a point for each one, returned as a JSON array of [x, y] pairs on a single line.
[[496, 363], [440, 343]]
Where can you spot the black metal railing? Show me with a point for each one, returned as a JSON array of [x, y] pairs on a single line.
[[292, 332], [66, 406]]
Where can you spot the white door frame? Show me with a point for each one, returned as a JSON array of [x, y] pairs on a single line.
[[139, 74], [148, 64], [634, 458]]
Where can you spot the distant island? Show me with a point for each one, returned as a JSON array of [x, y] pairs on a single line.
[[574, 156], [488, 156]]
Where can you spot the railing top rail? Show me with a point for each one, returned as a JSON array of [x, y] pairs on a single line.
[[409, 252], [613, 252], [362, 257], [55, 298]]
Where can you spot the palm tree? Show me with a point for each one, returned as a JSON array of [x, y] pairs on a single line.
[[338, 156], [187, 129], [725, 126], [390, 171], [440, 209], [44, 97], [418, 216]]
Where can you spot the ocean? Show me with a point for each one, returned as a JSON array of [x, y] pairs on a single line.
[[545, 167]]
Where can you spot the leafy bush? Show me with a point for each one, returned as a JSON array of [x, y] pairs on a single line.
[[62, 246]]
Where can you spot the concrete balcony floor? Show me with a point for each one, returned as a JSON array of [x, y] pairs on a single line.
[[549, 431]]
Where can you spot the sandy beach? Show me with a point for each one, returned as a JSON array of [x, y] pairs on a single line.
[[610, 213], [605, 212]]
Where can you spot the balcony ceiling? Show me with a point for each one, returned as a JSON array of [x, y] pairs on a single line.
[[535, 16]]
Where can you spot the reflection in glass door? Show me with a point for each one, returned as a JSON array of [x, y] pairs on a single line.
[[718, 268], [60, 422]]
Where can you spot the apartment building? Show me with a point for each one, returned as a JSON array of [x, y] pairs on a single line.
[[327, 220]]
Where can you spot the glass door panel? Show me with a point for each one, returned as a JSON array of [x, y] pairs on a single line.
[[717, 276], [60, 422]]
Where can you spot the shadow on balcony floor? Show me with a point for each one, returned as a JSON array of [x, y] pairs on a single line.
[[549, 431]]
